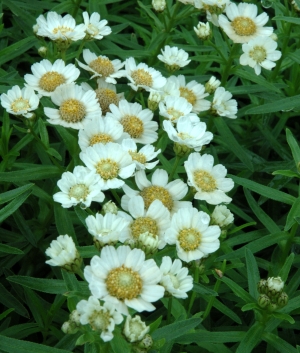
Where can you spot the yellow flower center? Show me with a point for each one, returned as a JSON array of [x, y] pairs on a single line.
[[62, 29], [188, 94], [132, 125], [174, 280], [50, 80], [107, 168], [106, 97], [124, 283], [20, 104], [93, 29], [142, 225], [243, 26], [139, 157], [153, 192], [142, 77], [175, 114], [102, 66], [183, 135], [189, 239], [79, 191], [72, 111], [100, 138], [99, 320], [205, 181], [258, 54]]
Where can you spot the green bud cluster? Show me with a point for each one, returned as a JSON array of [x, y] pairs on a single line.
[[271, 297]]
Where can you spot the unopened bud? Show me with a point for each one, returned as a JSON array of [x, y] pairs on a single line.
[[263, 301], [274, 36], [109, 207], [203, 30], [42, 51], [282, 299], [69, 328], [181, 150], [153, 100], [146, 342], [262, 286], [159, 5], [212, 85]]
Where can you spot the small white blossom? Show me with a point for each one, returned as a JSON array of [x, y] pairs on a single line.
[[173, 57], [275, 283], [203, 30], [222, 216], [212, 85], [222, 105], [95, 28], [135, 329]]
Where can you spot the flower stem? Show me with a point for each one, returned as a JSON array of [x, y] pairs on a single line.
[[193, 296], [177, 159], [169, 310], [116, 196], [227, 68]]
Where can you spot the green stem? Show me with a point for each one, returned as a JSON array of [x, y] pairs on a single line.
[[217, 49], [177, 159], [116, 196], [79, 51], [169, 310], [193, 296], [288, 243], [227, 68]]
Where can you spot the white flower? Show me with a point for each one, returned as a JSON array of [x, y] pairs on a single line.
[[142, 76], [260, 52], [275, 283], [158, 189], [192, 135], [222, 105], [124, 278], [95, 28], [19, 101], [100, 318], [155, 220], [175, 278], [159, 5], [142, 157], [100, 130], [193, 92], [174, 57], [110, 207], [107, 229], [137, 122], [80, 187], [101, 66], [75, 106], [173, 108], [62, 251], [110, 161], [245, 25], [171, 88], [203, 30], [135, 329], [47, 76], [212, 84], [193, 236], [208, 180], [222, 216], [59, 28]]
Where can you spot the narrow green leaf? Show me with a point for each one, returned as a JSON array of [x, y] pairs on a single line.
[[10, 250], [52, 286], [43, 132], [285, 269], [87, 252], [266, 220], [63, 221], [5, 313], [282, 104], [177, 329], [7, 299], [13, 205], [294, 146], [287, 19], [201, 289], [250, 306], [283, 316], [117, 342], [224, 309], [278, 343], [264, 190], [11, 194], [33, 173], [287, 173], [201, 336], [252, 272], [24, 228], [11, 345], [238, 290], [17, 49], [251, 339], [232, 143], [21, 331]]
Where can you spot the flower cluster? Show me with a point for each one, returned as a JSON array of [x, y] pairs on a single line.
[[272, 297]]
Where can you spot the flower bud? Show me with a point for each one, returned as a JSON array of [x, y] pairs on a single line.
[[69, 328], [212, 85], [181, 150], [148, 243], [42, 51], [135, 329], [262, 286], [203, 30], [275, 284], [153, 100], [282, 299], [109, 207], [222, 217], [75, 317], [274, 36], [263, 301], [159, 5], [146, 342], [272, 307]]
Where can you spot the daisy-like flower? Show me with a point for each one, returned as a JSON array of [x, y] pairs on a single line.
[[94, 28], [110, 161], [101, 66], [125, 279], [19, 101], [222, 105], [260, 52], [142, 157], [137, 122], [208, 180], [100, 318], [158, 189], [275, 284], [174, 58], [106, 94], [203, 30], [193, 92], [173, 108], [47, 76], [175, 278], [80, 187], [222, 216], [100, 130], [211, 85], [171, 88], [187, 133], [59, 28], [63, 253], [142, 76], [135, 329], [192, 234], [75, 106], [155, 220], [245, 25], [107, 229]]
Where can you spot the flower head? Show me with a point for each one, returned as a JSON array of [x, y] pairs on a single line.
[[203, 30], [223, 105], [135, 329], [124, 278], [94, 28], [19, 101], [174, 58], [222, 216]]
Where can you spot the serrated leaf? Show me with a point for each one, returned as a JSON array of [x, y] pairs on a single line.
[[251, 339], [238, 290], [249, 306], [201, 336], [278, 343], [24, 228]]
